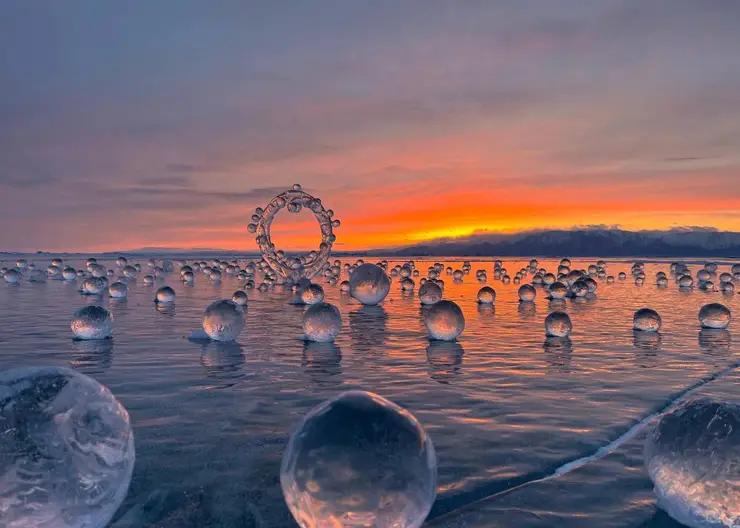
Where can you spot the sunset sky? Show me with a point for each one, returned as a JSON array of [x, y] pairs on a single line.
[[165, 123]]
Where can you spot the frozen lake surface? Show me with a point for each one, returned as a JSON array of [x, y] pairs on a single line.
[[504, 406]]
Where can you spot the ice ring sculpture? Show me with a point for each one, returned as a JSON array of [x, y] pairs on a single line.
[[290, 268]]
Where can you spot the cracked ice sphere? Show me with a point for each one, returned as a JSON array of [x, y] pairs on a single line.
[[67, 450], [129, 272], [165, 295], [359, 460], [430, 293], [223, 320], [486, 295], [92, 322], [12, 276], [715, 315], [527, 293], [558, 324], [444, 321], [239, 297], [558, 290], [118, 290], [691, 456], [322, 322], [369, 284], [93, 286], [312, 294], [647, 320]]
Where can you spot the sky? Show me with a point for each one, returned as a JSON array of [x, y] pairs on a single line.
[[143, 123]]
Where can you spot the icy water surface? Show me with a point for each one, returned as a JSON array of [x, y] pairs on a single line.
[[503, 405]]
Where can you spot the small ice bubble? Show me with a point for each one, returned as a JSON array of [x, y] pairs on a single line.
[[92, 322]]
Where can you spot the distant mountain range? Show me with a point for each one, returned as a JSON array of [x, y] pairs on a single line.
[[588, 242]]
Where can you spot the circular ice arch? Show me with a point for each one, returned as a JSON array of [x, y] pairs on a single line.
[[293, 268]]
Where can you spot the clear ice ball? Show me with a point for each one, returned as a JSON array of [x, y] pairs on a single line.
[[92, 322], [165, 295], [691, 456], [239, 297], [429, 293], [312, 294], [444, 321], [369, 284], [486, 295], [527, 293], [67, 449], [647, 320], [558, 324], [93, 286], [223, 320], [322, 322], [12, 276], [714, 315], [408, 284], [359, 460], [129, 272], [558, 290], [118, 290]]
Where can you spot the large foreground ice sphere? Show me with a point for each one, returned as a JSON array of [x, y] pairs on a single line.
[[430, 293], [239, 297], [714, 315], [165, 295], [67, 451], [558, 290], [359, 460], [369, 284], [12, 276], [223, 320], [486, 295], [444, 321], [92, 322], [527, 293], [647, 320], [691, 456], [558, 324], [118, 290], [322, 322], [312, 294]]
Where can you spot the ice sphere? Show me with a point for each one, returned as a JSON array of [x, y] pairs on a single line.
[[429, 293], [728, 288], [725, 277], [121, 262], [558, 290], [93, 286], [344, 287], [359, 459], [322, 322], [21, 264], [312, 294], [129, 272], [165, 295], [37, 275], [703, 275], [167, 266], [54, 272], [188, 277], [579, 289], [239, 297], [527, 293], [92, 322], [215, 275], [558, 324], [686, 281], [711, 267], [97, 270], [458, 275], [369, 284], [223, 320], [647, 320], [69, 273], [118, 290], [714, 315], [444, 321], [67, 452], [622, 276], [486, 295], [548, 279], [691, 456], [148, 280], [408, 284], [12, 276], [505, 279], [662, 282]]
